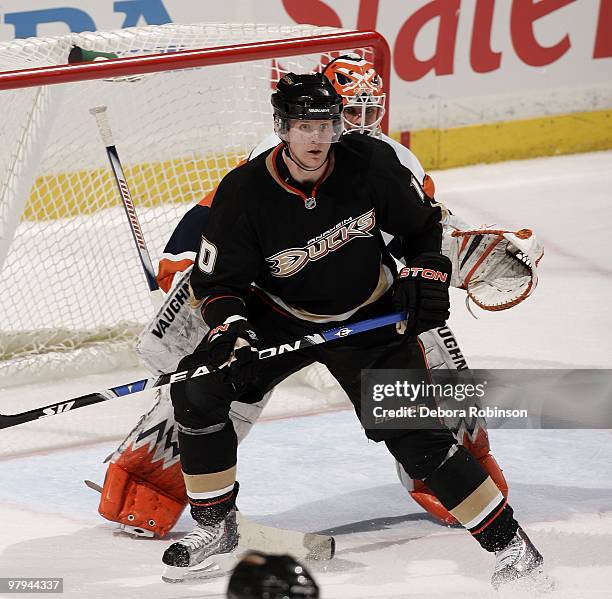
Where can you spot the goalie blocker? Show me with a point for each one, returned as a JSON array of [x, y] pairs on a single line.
[[144, 490]]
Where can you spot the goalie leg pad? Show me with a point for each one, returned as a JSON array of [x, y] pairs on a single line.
[[144, 476], [134, 503], [144, 486]]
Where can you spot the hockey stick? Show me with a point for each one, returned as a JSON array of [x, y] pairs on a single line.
[[270, 539], [101, 116], [354, 328]]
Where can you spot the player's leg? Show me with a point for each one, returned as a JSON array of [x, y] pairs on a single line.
[[456, 477], [443, 354], [208, 443], [208, 449]]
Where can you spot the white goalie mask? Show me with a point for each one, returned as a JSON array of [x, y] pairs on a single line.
[[361, 88]]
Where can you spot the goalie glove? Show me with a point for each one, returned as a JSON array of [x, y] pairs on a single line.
[[497, 268], [421, 289]]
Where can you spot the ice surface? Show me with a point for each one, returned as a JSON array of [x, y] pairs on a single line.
[[320, 473]]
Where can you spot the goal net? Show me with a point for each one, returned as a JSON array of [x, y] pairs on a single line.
[[74, 295]]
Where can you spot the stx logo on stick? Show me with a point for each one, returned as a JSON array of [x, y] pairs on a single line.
[[64, 407], [289, 262]]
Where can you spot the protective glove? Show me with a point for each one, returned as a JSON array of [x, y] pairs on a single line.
[[421, 289], [232, 347]]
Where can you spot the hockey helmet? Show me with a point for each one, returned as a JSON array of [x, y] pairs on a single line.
[[306, 98], [361, 87], [259, 575]]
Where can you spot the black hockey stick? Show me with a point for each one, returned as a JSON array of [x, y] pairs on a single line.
[[101, 116], [354, 328]]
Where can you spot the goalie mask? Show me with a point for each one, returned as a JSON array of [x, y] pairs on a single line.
[[311, 105], [497, 268], [259, 575], [361, 87]]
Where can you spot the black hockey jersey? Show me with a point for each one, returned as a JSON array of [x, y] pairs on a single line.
[[321, 255]]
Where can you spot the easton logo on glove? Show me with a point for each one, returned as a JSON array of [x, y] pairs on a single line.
[[426, 273], [421, 290]]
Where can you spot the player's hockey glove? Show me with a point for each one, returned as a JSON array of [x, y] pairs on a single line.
[[231, 344], [231, 347], [421, 289]]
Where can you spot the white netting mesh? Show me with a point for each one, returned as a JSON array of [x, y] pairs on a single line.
[[72, 281]]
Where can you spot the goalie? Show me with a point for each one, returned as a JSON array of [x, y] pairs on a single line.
[[144, 490]]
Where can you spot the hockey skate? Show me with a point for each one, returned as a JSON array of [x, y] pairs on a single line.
[[520, 565], [205, 552]]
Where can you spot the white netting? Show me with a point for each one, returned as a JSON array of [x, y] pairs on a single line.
[[72, 282]]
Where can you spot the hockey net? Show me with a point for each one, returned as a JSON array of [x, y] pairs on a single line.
[[74, 295]]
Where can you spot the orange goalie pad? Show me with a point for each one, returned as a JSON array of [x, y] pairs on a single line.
[[134, 502]]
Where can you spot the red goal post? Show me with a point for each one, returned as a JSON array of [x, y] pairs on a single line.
[[185, 59]]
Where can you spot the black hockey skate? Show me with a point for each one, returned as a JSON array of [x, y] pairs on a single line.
[[520, 564], [205, 552]]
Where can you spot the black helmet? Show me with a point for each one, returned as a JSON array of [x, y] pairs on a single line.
[[259, 575], [306, 97]]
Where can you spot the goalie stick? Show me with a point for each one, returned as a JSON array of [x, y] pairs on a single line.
[[101, 116], [89, 399]]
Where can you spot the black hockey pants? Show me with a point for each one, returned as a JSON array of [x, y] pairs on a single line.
[[207, 439], [208, 443]]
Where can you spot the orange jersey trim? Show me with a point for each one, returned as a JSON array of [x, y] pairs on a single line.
[[429, 186], [167, 271]]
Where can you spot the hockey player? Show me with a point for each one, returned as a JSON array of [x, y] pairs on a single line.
[[304, 251], [144, 489]]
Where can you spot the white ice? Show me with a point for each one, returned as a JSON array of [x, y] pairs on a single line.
[[318, 472]]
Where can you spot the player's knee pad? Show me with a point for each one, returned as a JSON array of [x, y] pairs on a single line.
[[201, 402], [245, 415]]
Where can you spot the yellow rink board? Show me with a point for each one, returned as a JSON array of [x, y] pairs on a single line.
[[65, 195], [513, 140]]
